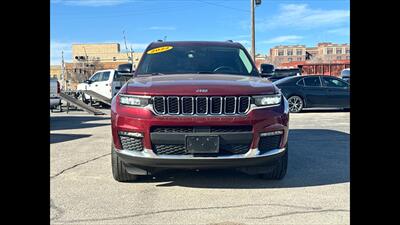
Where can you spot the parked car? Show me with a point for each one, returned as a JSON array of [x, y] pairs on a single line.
[[315, 91], [345, 75], [282, 73], [55, 100], [267, 70], [198, 105], [104, 82]]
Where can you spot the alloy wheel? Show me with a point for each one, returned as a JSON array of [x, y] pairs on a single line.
[[295, 104]]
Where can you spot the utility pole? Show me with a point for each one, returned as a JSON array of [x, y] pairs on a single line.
[[63, 69], [253, 41], [253, 29]]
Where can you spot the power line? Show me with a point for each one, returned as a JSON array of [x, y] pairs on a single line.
[[223, 6]]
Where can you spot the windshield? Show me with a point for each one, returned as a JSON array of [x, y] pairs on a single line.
[[196, 59]]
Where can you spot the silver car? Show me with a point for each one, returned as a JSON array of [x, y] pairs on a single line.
[[55, 100], [345, 75]]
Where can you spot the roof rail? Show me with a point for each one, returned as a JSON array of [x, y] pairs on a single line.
[[159, 40]]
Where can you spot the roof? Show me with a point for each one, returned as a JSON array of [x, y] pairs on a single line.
[[196, 43]]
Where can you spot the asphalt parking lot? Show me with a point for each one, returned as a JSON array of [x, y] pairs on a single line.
[[315, 190]]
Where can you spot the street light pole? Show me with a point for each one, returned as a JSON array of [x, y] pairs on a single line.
[[253, 44]]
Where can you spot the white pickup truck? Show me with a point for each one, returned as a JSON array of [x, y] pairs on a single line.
[[55, 100], [104, 82]]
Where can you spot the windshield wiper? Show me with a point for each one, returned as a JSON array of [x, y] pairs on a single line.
[[157, 73], [205, 72]]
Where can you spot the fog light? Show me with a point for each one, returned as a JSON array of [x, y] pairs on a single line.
[[273, 133], [130, 134]]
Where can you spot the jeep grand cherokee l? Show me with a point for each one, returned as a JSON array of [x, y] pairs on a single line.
[[196, 105]]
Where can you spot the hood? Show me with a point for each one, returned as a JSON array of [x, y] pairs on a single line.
[[199, 84]]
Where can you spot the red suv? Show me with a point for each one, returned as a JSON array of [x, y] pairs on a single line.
[[197, 105]]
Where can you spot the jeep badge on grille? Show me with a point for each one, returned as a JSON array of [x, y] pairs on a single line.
[[202, 90]]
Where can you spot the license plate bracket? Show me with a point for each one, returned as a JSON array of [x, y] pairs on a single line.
[[202, 143]]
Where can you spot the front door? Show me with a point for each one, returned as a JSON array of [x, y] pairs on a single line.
[[338, 92], [314, 92], [104, 85]]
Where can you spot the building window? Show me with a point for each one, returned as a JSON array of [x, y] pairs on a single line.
[[348, 57], [329, 51], [280, 52], [114, 58], [299, 59], [289, 59], [289, 52], [347, 51], [299, 52], [338, 51], [339, 57]]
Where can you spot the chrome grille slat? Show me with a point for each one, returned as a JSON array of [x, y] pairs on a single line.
[[243, 100], [159, 107], [212, 100], [185, 104], [173, 105], [201, 105], [198, 102], [227, 105]]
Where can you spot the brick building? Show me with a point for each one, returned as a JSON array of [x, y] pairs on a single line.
[[104, 53], [323, 53], [55, 71]]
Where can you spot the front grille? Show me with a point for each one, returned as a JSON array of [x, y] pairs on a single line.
[[172, 129], [269, 143], [180, 149], [213, 129], [131, 143], [170, 149], [235, 148], [178, 146], [220, 129], [201, 105]]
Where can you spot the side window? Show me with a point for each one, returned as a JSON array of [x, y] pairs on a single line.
[[312, 81], [300, 82], [245, 61], [332, 82], [95, 77], [105, 76]]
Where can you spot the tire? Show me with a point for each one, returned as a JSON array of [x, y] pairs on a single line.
[[118, 168], [279, 172], [296, 104], [83, 98]]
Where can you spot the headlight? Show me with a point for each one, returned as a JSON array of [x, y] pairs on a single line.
[[133, 100], [265, 100]]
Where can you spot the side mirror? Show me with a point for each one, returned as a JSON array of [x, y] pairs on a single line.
[[125, 68], [88, 81], [266, 70]]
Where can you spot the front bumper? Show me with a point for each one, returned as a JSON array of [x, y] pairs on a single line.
[[148, 159]]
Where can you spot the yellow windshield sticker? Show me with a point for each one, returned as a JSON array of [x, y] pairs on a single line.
[[159, 50]]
